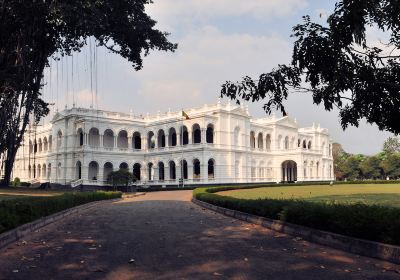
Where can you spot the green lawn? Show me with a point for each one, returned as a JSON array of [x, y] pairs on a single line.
[[10, 193], [382, 194]]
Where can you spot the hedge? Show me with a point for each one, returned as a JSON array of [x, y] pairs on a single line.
[[18, 211], [371, 222]]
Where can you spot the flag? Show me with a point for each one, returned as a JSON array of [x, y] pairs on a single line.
[[186, 116]]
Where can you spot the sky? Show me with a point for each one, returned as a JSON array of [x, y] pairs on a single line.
[[217, 40]]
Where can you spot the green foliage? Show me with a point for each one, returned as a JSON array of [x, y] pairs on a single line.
[[335, 64], [391, 165], [16, 182], [372, 222], [121, 177], [15, 212], [371, 167], [391, 145], [34, 32]]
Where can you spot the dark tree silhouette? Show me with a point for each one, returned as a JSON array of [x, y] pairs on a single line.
[[33, 32], [336, 65]]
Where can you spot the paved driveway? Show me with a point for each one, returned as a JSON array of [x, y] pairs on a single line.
[[164, 236]]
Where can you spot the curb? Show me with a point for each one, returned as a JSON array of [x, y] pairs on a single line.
[[13, 235], [353, 245]]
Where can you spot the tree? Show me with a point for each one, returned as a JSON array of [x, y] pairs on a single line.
[[122, 177], [351, 167], [338, 67], [391, 165], [371, 167], [391, 145], [33, 32]]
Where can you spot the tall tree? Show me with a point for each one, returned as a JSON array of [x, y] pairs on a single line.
[[33, 32], [391, 165], [391, 145], [338, 67]]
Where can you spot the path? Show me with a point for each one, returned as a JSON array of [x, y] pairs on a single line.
[[164, 236]]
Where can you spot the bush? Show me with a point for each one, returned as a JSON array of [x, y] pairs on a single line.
[[15, 212], [371, 222], [16, 182]]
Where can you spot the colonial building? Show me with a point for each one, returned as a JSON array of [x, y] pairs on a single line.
[[213, 144]]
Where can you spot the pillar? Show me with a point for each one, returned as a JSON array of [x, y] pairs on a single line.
[[203, 135]]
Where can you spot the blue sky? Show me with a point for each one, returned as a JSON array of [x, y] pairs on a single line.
[[218, 40]]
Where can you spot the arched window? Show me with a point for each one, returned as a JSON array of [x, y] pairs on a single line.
[[196, 134], [29, 172], [184, 169], [317, 169], [252, 140], [122, 140], [253, 169], [124, 166], [93, 171], [172, 170], [80, 137], [59, 139], [50, 142], [268, 142], [78, 170], [151, 140], [94, 137], [161, 173], [35, 147], [34, 171], [108, 138], [298, 143], [39, 168], [40, 145], [137, 141], [150, 171], [304, 144], [44, 172], [30, 147], [49, 171], [184, 135], [287, 143], [161, 139], [305, 169], [172, 137], [211, 167], [59, 172], [196, 169], [45, 144], [210, 134], [309, 145], [260, 141], [107, 169], [136, 171]]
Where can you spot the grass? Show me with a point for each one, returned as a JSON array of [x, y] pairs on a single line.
[[380, 194], [367, 211]]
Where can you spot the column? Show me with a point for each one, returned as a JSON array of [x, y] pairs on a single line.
[[190, 136], [179, 139], [166, 140], [144, 143], [115, 142], [204, 171], [130, 147], [203, 135], [101, 140]]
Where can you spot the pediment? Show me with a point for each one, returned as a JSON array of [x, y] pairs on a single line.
[[288, 122]]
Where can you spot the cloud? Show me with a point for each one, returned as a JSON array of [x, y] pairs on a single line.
[[172, 12], [205, 59]]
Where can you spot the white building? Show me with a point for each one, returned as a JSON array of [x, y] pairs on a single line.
[[218, 144]]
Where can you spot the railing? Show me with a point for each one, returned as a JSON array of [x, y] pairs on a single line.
[[76, 183]]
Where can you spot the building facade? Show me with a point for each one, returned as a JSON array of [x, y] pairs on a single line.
[[212, 144]]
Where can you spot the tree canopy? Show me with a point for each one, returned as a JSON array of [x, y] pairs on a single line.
[[33, 32], [338, 66]]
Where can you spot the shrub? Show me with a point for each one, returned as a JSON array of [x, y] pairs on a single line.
[[371, 222], [16, 182], [15, 212]]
